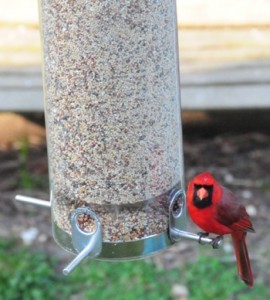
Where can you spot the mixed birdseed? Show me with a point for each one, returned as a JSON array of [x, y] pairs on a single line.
[[112, 111]]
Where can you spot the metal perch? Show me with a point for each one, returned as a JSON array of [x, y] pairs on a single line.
[[31, 200]]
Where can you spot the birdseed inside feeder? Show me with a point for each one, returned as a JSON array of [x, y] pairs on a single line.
[[112, 107]]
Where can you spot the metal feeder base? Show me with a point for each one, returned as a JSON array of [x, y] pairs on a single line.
[[120, 250]]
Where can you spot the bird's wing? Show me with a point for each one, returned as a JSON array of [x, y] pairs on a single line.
[[232, 214]]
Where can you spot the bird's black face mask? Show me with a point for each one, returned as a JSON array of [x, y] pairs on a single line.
[[202, 196]]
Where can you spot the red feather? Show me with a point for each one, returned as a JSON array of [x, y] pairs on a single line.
[[242, 258], [220, 213]]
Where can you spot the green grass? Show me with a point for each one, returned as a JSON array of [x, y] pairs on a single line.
[[125, 281], [210, 279], [25, 275], [29, 275]]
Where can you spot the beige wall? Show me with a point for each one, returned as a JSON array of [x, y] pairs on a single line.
[[19, 11], [223, 11]]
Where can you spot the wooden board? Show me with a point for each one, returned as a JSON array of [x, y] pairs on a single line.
[[241, 86], [224, 55]]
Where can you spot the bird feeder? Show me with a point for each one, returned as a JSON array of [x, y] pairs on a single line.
[[112, 107]]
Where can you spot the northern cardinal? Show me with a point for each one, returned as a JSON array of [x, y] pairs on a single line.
[[215, 210]]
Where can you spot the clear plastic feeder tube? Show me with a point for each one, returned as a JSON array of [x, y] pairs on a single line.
[[111, 92]]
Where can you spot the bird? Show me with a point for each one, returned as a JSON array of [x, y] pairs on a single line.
[[215, 209]]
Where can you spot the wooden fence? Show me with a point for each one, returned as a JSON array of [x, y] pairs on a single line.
[[224, 58]]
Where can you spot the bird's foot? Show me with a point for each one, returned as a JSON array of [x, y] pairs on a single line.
[[202, 235], [217, 241]]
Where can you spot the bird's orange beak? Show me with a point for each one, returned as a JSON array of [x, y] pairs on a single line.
[[202, 193]]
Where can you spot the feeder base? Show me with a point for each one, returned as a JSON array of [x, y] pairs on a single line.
[[120, 250]]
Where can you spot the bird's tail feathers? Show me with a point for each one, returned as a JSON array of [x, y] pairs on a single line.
[[242, 257]]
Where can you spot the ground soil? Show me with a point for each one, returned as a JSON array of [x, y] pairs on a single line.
[[234, 146]]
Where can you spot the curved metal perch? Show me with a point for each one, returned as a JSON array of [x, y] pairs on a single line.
[[88, 244], [176, 221]]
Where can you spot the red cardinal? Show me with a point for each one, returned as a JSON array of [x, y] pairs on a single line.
[[215, 210]]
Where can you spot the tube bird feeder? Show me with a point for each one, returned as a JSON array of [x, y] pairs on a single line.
[[112, 107]]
